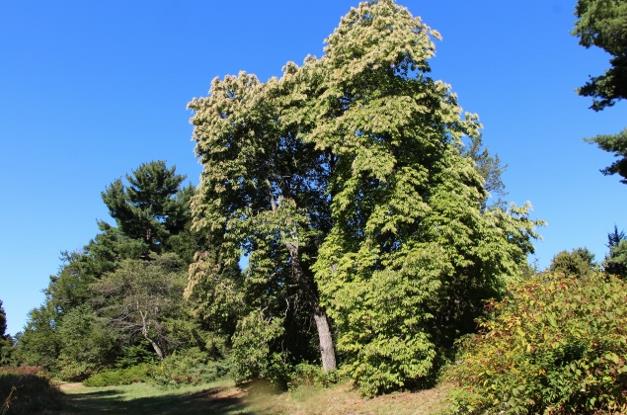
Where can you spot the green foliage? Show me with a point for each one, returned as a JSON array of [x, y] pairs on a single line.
[[555, 345], [143, 297], [346, 185], [3, 322], [6, 345], [617, 144], [122, 376], [252, 354], [87, 344], [308, 375], [189, 367], [39, 344], [152, 207], [601, 23], [616, 261], [578, 262], [25, 391]]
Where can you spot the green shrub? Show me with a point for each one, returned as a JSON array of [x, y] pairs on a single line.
[[26, 390], [306, 374], [189, 367], [556, 345], [123, 376], [252, 354]]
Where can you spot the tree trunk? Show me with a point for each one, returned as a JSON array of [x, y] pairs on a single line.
[[156, 347], [327, 351], [307, 285]]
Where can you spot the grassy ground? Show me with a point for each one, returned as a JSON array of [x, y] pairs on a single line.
[[223, 398]]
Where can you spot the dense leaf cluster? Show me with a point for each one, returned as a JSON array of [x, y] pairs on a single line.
[[556, 345]]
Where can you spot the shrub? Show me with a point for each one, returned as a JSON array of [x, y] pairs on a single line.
[[26, 390], [557, 345], [189, 367], [306, 374], [123, 376]]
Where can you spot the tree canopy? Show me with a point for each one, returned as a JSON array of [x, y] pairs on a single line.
[[602, 23], [345, 185]]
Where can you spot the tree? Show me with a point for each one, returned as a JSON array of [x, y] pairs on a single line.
[[39, 344], [617, 144], [144, 299], [616, 260], [578, 263], [6, 343], [3, 322], [601, 23], [152, 207], [345, 184], [615, 237], [262, 195], [87, 344]]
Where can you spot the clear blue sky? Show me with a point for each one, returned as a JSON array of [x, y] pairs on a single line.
[[88, 90]]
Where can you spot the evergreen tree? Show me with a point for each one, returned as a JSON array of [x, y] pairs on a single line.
[[152, 207], [3, 322], [603, 23]]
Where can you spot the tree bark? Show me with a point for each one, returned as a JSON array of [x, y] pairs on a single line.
[[327, 351]]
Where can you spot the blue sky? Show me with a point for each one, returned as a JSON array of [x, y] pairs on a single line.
[[89, 90]]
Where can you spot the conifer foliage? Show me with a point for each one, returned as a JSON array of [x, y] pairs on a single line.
[[345, 185]]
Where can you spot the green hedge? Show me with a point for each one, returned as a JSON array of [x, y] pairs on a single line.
[[557, 345]]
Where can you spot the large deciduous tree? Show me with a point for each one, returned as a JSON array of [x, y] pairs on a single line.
[[603, 23], [346, 185]]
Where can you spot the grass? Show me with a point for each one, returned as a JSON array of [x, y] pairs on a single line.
[[224, 398]]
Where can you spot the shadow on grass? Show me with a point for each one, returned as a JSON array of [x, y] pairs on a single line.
[[112, 402]]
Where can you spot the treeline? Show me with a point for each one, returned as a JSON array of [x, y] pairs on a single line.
[[343, 226], [118, 302]]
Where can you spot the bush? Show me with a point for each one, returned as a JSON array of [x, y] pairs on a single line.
[[306, 374], [557, 345], [26, 390], [123, 376], [189, 367]]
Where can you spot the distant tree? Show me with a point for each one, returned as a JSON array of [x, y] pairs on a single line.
[[152, 207], [39, 343], [3, 322], [6, 344], [143, 298], [578, 262], [603, 23], [616, 260], [615, 237]]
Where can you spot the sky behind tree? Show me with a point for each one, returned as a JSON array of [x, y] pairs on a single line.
[[89, 90]]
